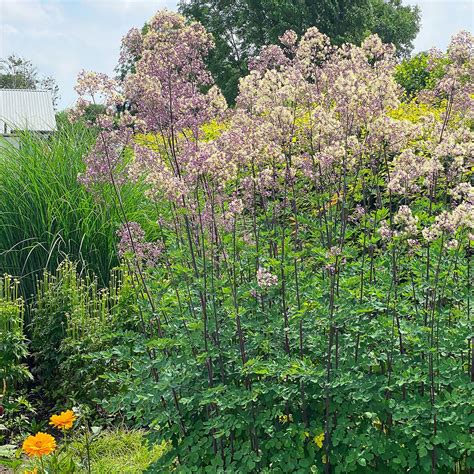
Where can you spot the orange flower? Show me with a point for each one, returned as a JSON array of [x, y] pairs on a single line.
[[64, 420], [39, 445]]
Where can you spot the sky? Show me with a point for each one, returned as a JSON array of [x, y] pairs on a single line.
[[62, 37]]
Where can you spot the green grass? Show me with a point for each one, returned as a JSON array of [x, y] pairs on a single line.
[[123, 451], [119, 451]]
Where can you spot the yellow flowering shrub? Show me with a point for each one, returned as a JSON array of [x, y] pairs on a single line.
[[213, 130], [415, 110]]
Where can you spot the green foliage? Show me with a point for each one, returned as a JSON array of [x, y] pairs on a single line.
[[415, 111], [72, 320], [20, 73], [17, 73], [241, 28], [19, 417], [284, 329], [123, 451], [350, 349], [14, 372], [13, 348], [9, 458], [119, 450], [414, 75], [395, 23], [222, 413]]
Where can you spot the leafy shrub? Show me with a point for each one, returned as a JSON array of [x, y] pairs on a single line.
[[414, 74], [15, 408], [306, 300]]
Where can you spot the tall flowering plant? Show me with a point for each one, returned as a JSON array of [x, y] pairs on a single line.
[[306, 298]]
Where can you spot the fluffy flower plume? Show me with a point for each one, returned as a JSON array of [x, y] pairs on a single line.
[[162, 92], [456, 84], [461, 217], [132, 46], [411, 171], [132, 241], [407, 221], [266, 279], [307, 114], [289, 38], [106, 163]]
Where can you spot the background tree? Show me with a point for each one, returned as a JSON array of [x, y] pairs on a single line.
[[415, 74], [20, 73], [241, 27]]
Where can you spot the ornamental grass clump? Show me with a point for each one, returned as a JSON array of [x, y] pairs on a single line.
[[309, 307], [46, 215]]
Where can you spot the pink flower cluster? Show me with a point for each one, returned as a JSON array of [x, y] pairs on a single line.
[[456, 85], [407, 221], [266, 279], [405, 226], [132, 241], [106, 162], [411, 171]]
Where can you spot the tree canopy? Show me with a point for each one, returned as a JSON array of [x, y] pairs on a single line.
[[241, 27], [20, 73]]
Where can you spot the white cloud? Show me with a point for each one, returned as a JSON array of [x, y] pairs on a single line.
[[440, 20], [7, 30], [63, 37], [30, 12]]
